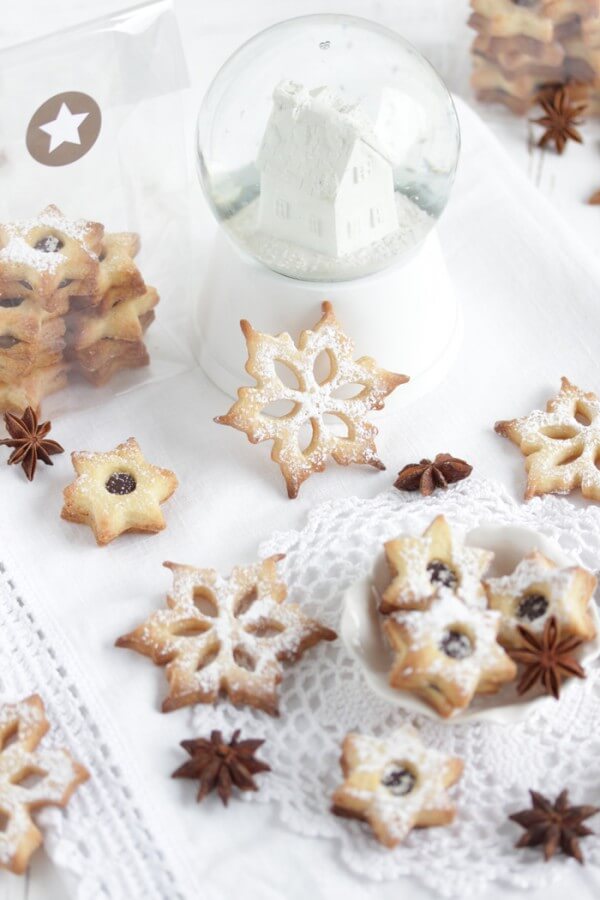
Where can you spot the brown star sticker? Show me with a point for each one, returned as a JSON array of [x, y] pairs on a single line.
[[428, 475], [315, 402], [546, 658], [560, 120], [29, 442], [554, 825], [220, 765]]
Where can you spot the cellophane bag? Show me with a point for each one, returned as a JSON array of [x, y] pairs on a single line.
[[92, 131]]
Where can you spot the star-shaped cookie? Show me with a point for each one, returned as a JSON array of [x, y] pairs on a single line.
[[49, 257], [423, 566], [226, 635], [395, 784], [538, 589], [447, 653], [22, 727], [117, 491], [118, 275], [562, 444], [320, 423], [121, 322]]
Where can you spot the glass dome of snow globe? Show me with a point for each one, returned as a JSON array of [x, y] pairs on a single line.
[[327, 148]]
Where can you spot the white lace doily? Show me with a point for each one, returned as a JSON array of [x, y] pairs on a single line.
[[100, 840], [324, 696]]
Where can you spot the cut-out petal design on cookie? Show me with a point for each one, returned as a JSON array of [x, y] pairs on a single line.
[[303, 438]]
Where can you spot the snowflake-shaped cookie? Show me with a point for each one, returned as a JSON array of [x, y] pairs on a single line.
[[117, 491], [49, 257], [447, 653], [562, 444], [423, 566], [538, 589], [30, 778], [226, 635], [315, 401], [395, 784]]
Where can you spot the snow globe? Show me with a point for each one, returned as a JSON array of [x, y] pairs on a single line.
[[327, 148]]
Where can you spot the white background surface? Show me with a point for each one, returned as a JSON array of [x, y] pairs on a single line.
[[566, 181]]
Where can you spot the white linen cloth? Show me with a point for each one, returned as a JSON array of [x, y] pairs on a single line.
[[530, 298]]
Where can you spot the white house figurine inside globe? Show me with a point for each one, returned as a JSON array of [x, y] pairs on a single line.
[[326, 181]]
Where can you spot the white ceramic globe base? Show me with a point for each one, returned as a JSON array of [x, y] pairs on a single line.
[[406, 317]]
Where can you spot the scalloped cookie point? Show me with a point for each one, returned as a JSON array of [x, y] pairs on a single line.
[[327, 418], [117, 492]]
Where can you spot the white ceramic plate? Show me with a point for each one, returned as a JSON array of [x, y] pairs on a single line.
[[361, 632]]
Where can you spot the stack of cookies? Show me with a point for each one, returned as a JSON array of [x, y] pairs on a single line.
[[71, 299], [525, 46]]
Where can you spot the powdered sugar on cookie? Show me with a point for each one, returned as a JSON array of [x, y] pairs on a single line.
[[395, 784], [437, 562], [562, 443], [538, 589], [447, 653], [314, 402], [226, 634], [59, 775]]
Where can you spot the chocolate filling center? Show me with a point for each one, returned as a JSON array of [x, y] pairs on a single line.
[[456, 644], [49, 244], [121, 483], [398, 780], [440, 573], [532, 606]]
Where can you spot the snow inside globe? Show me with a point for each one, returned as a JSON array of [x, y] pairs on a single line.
[[327, 148]]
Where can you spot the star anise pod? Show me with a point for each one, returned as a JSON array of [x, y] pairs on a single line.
[[560, 120], [426, 475], [29, 442], [220, 765], [546, 659], [554, 824]]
